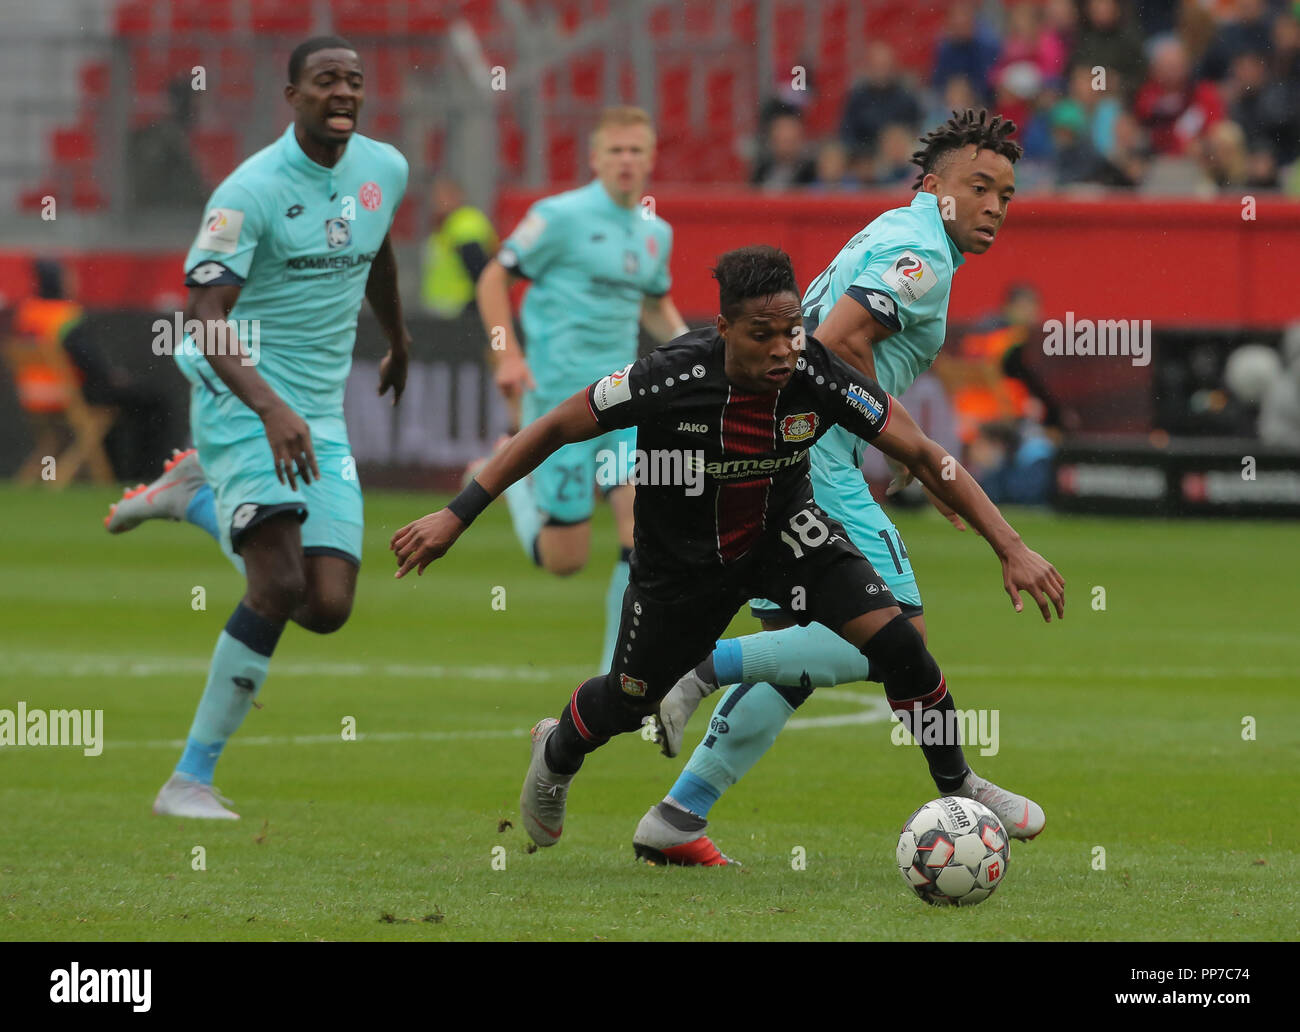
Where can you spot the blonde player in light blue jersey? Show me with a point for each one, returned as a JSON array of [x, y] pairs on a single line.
[[881, 305], [290, 244], [597, 261]]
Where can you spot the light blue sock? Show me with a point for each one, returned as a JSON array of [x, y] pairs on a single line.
[[614, 609], [524, 515], [238, 668], [744, 726], [783, 657], [202, 512]]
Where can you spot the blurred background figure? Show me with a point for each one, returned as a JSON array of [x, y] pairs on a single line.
[[964, 50], [1279, 408], [784, 160], [456, 252], [882, 98], [160, 157], [1107, 39], [1174, 108], [83, 408]]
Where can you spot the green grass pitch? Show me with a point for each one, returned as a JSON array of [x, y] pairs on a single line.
[[1126, 723]]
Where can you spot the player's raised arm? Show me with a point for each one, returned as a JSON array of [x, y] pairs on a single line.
[[430, 537], [1023, 569], [287, 432], [386, 303], [661, 319]]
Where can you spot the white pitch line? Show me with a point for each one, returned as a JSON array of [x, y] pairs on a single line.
[[875, 710], [170, 666]]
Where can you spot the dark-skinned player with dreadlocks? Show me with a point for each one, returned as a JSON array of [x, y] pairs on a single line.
[[881, 306]]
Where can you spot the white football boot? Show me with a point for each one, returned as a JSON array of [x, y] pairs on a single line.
[[166, 498], [184, 797], [541, 803], [1023, 818], [659, 842], [675, 710]]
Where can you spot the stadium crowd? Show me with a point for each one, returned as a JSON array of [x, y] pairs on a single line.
[[1162, 96]]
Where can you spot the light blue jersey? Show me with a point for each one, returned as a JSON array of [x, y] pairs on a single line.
[[592, 262], [900, 269], [299, 238]]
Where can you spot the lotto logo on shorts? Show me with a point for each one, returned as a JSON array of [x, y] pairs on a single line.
[[633, 685], [799, 427]]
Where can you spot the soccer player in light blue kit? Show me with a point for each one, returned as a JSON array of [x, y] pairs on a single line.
[[597, 258], [290, 244], [881, 305]]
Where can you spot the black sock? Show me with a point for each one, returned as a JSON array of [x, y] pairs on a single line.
[[568, 745], [939, 735]]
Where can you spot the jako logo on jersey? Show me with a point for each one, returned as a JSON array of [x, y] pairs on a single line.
[[695, 428], [799, 427], [371, 196], [865, 403], [633, 685], [612, 390], [338, 233]]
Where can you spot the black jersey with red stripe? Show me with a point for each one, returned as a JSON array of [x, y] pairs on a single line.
[[714, 460]]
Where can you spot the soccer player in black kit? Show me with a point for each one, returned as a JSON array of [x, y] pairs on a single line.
[[741, 403]]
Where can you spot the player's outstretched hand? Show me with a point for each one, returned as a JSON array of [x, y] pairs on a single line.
[[392, 373], [1025, 570], [428, 538], [290, 441], [514, 377]]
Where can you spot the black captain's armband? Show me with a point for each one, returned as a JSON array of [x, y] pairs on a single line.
[[470, 502]]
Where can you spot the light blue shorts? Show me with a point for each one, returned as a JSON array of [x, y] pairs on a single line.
[[236, 458], [564, 485]]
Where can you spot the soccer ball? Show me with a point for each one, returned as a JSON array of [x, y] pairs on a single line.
[[953, 852]]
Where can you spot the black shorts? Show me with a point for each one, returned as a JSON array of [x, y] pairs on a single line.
[[805, 561]]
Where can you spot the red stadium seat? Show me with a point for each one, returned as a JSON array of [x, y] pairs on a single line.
[[133, 19], [70, 146], [361, 18], [208, 17], [280, 17]]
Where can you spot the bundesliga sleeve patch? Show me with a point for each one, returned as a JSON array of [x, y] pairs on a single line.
[[528, 232], [220, 230], [612, 390], [910, 277]]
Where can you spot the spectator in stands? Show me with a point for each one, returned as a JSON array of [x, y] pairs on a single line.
[[1126, 164], [1061, 19], [160, 160], [833, 167], [784, 161], [1101, 108], [459, 248], [1279, 411], [1174, 108], [957, 95], [1247, 31], [1243, 94], [1027, 38], [1019, 94], [881, 99], [1281, 103], [1108, 40], [1261, 169], [894, 156], [964, 49], [1076, 160], [1223, 156]]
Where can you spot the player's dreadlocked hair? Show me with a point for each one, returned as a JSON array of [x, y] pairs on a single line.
[[756, 271], [960, 130]]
